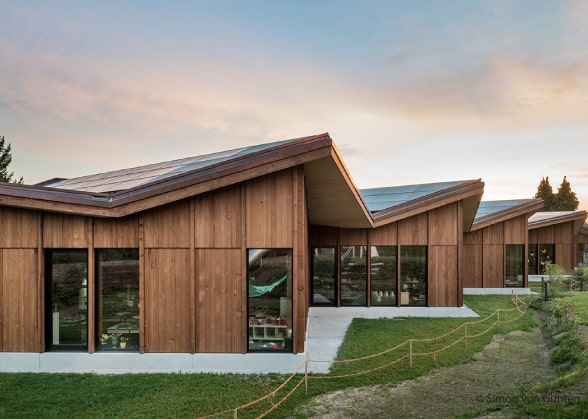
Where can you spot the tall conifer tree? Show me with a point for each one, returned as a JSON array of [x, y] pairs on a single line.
[[5, 160], [565, 199], [545, 192]]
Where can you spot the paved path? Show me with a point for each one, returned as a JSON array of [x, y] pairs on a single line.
[[327, 327]]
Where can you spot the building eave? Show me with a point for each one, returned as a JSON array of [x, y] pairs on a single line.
[[468, 191], [527, 209]]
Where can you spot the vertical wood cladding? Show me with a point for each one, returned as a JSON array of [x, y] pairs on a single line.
[[168, 227], [442, 279], [116, 233], [385, 236], [413, 230], [167, 315], [473, 265], [443, 225], [218, 219], [62, 231], [221, 301], [515, 230], [269, 206], [19, 330], [18, 228]]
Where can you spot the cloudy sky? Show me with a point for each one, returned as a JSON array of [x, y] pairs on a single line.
[[411, 91]]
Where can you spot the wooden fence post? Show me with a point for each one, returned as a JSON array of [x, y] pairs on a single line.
[[410, 352]]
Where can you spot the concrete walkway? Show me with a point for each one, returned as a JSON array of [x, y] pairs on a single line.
[[327, 327]]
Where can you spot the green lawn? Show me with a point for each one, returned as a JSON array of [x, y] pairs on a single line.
[[176, 395]]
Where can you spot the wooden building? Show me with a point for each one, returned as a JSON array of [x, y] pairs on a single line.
[[496, 246], [224, 254], [555, 237]]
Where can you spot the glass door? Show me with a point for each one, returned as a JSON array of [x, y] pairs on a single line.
[[324, 276], [66, 293]]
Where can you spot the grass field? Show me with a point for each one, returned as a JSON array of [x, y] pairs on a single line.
[[175, 395]]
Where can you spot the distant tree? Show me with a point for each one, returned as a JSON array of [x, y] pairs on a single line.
[[565, 199], [5, 160], [545, 192]]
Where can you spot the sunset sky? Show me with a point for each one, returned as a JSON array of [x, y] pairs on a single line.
[[411, 91]]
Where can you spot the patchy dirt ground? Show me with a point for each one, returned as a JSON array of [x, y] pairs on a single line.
[[501, 372]]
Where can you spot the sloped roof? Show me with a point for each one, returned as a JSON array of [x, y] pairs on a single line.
[[492, 212], [544, 219], [393, 203], [135, 177], [336, 200], [378, 199]]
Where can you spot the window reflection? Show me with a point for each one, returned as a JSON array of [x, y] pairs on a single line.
[[383, 261], [67, 298], [118, 299], [324, 279], [514, 265], [413, 268], [269, 277], [353, 275]]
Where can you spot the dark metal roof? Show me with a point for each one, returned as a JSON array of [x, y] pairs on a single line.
[[124, 179], [543, 219], [493, 212], [378, 199], [487, 208]]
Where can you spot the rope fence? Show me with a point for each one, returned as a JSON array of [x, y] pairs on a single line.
[[409, 349]]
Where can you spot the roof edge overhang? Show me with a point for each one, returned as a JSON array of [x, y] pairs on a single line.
[[528, 208], [577, 217], [470, 191], [172, 189]]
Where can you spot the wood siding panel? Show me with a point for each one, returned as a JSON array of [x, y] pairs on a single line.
[[385, 236], [65, 231], [323, 236], [494, 234], [19, 228], [413, 230], [353, 236], [168, 227], [564, 255], [301, 263], [218, 219], [221, 321], [167, 305], [493, 266], [442, 277], [443, 225], [269, 207], [515, 230], [564, 233], [472, 266], [546, 234], [476, 237], [19, 331], [532, 236], [116, 233]]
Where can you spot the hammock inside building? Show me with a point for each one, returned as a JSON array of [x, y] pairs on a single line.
[[258, 290]]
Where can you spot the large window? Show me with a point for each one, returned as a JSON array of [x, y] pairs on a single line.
[[413, 270], [324, 276], [353, 275], [540, 255], [66, 294], [515, 265], [583, 253], [383, 261], [118, 299], [269, 277]]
